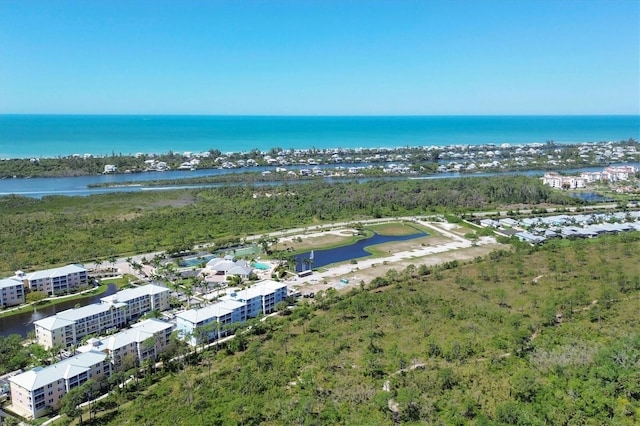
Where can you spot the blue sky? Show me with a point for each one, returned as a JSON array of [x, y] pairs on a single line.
[[320, 57]]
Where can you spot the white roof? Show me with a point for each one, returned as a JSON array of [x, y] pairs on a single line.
[[215, 310], [70, 316], [56, 272], [137, 334], [133, 293], [39, 377], [260, 289], [9, 282], [52, 323]]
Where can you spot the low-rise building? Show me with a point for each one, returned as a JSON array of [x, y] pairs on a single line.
[[68, 327], [11, 292], [37, 391], [260, 298], [140, 300], [144, 340], [209, 322], [556, 180], [56, 280]]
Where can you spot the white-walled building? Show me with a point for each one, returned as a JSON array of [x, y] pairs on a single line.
[[215, 317], [236, 307], [34, 391], [144, 340], [556, 180], [68, 327], [11, 292], [56, 280], [140, 300], [260, 298]]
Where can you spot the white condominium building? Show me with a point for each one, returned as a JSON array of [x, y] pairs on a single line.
[[260, 298], [140, 300], [11, 292], [56, 280], [144, 340], [68, 327], [236, 307], [35, 392], [212, 318]]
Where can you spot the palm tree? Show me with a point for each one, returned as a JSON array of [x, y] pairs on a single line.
[[235, 280]]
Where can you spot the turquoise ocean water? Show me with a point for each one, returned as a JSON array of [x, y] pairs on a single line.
[[24, 136]]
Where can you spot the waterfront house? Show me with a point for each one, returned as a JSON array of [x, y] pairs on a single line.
[[11, 292], [40, 390]]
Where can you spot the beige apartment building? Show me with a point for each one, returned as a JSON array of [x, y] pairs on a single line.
[[68, 327], [11, 292], [56, 280], [40, 390], [144, 340]]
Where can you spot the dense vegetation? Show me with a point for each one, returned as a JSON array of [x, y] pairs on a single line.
[[545, 335], [56, 230], [422, 159]]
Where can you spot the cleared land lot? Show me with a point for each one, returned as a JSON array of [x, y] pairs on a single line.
[[445, 243]]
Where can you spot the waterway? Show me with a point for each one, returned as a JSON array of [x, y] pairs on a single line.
[[78, 186], [22, 323], [357, 250]]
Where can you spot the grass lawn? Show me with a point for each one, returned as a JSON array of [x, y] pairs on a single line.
[[395, 229]]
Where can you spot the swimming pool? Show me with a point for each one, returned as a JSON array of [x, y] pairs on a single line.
[[261, 266]]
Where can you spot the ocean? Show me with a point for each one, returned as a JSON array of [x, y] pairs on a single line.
[[27, 136]]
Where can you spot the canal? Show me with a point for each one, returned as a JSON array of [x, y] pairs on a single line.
[[320, 258], [22, 323]]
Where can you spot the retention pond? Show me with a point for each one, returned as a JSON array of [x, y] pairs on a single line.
[[319, 258]]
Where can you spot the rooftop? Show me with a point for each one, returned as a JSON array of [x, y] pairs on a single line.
[[133, 293], [9, 282], [67, 368], [56, 272], [215, 310]]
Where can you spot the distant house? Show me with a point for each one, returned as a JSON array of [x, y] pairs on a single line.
[[507, 221], [110, 168], [530, 238], [489, 223], [229, 266]]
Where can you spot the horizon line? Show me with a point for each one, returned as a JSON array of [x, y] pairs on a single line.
[[314, 115]]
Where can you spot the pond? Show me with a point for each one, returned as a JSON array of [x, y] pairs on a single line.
[[319, 258], [22, 323], [591, 197]]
